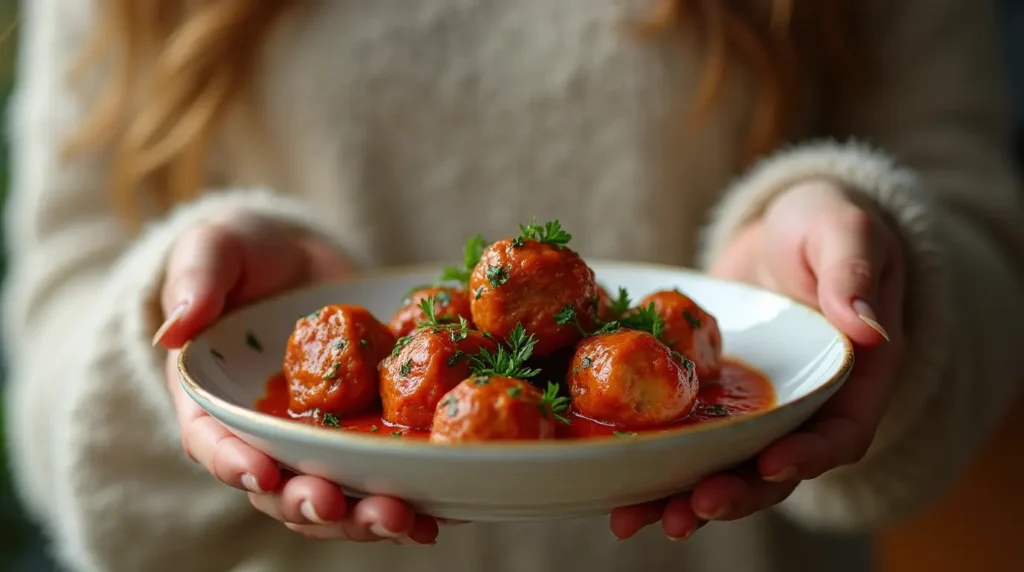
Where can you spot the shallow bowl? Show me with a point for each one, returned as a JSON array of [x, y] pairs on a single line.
[[803, 355]]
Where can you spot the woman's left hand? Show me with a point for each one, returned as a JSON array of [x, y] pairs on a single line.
[[816, 245]]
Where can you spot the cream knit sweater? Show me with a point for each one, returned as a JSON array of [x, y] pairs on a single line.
[[400, 127]]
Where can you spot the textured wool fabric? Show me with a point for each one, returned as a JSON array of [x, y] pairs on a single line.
[[394, 130]]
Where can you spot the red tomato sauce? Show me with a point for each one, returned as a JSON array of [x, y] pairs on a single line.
[[739, 390]]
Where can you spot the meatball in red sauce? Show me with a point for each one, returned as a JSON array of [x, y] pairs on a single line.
[[423, 368], [331, 360], [532, 282], [689, 330], [630, 380], [492, 409], [450, 304]]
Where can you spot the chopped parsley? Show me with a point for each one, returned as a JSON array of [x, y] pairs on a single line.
[[252, 342], [497, 275], [714, 411], [550, 233], [507, 362], [472, 251], [691, 319], [621, 434], [330, 420], [405, 368], [454, 358], [332, 372], [514, 392], [554, 404]]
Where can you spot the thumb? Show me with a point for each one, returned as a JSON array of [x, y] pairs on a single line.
[[203, 268], [848, 267]]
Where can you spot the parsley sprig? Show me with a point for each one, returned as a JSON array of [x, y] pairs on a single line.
[[620, 305], [554, 403], [550, 232], [645, 319], [506, 362], [471, 254], [429, 308]]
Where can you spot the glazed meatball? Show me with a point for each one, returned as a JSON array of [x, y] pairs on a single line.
[[689, 330], [630, 380], [331, 360], [532, 282], [423, 368], [449, 305], [493, 409]]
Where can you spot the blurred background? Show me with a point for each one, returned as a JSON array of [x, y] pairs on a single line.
[[905, 549]]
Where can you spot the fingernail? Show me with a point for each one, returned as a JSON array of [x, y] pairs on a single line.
[[175, 315], [251, 484], [378, 529], [307, 510], [782, 476], [719, 513], [407, 541], [867, 315], [687, 536]]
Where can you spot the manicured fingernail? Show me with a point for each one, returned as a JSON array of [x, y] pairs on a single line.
[[867, 315], [717, 514], [307, 510], [782, 476], [251, 484], [378, 529], [172, 318]]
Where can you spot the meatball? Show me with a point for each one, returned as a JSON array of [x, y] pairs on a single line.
[[546, 287], [689, 330], [423, 368], [331, 360], [449, 305], [630, 380], [492, 409]]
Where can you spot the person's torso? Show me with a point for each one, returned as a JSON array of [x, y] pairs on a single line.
[[416, 124], [419, 124]]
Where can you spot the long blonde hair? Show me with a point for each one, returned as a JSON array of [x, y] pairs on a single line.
[[178, 65]]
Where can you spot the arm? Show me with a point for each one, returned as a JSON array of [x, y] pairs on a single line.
[[95, 444], [947, 180]]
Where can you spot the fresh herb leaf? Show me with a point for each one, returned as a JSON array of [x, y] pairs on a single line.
[[340, 344], [645, 319], [554, 404], [507, 362], [405, 368], [401, 343], [252, 342], [623, 433], [567, 315], [714, 411], [478, 292], [396, 433], [332, 372], [497, 275], [452, 405], [460, 332], [471, 254], [620, 305], [586, 362], [684, 361], [454, 358], [691, 319], [514, 392], [481, 381], [373, 428], [330, 420], [550, 233]]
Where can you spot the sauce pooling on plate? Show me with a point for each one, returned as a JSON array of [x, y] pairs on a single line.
[[739, 390]]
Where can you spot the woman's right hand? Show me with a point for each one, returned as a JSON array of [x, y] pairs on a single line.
[[226, 263]]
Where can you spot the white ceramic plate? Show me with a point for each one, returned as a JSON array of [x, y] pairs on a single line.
[[805, 357]]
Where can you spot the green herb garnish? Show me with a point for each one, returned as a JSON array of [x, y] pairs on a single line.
[[694, 321], [252, 342], [586, 362], [550, 233], [373, 428], [623, 433], [452, 405], [400, 343], [554, 404], [330, 420], [332, 372], [454, 358], [714, 411], [472, 252], [507, 362], [405, 368], [567, 315], [514, 392], [497, 275], [645, 319], [396, 433], [620, 305]]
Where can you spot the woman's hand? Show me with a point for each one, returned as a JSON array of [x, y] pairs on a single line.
[[229, 262], [816, 245]]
